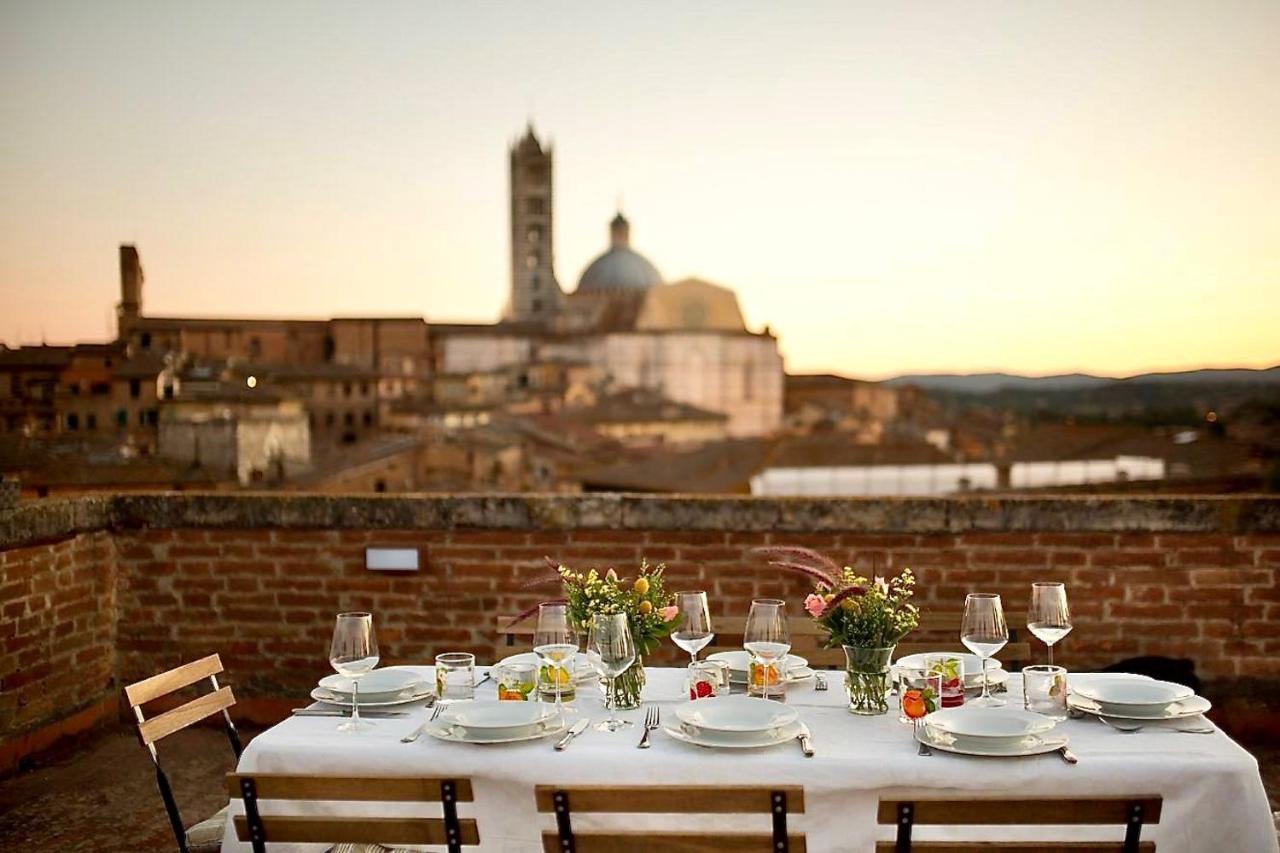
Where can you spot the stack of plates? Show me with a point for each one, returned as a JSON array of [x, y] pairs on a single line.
[[796, 668], [495, 722], [998, 732], [1135, 699], [582, 673], [972, 667], [734, 722], [379, 688]]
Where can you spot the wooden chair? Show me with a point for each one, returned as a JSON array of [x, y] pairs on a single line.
[[776, 801], [207, 834], [259, 829], [1130, 812]]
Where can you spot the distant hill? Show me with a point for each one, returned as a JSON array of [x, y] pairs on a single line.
[[991, 383]]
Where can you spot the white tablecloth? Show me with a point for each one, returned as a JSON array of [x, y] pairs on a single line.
[[1213, 795]]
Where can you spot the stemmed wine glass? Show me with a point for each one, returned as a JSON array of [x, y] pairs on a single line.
[[767, 638], [353, 653], [611, 650], [556, 645], [1047, 614], [694, 632], [984, 632]]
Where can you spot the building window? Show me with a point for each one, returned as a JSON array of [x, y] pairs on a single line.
[[168, 390], [73, 422], [74, 389], [135, 388], [346, 389], [122, 418], [364, 389], [100, 389], [535, 206], [534, 235], [153, 416], [255, 347], [379, 485], [328, 419], [531, 260], [368, 419], [534, 282], [349, 419], [146, 340], [537, 306], [748, 381], [91, 421]]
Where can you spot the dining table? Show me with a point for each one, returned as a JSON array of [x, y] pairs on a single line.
[[1213, 798]]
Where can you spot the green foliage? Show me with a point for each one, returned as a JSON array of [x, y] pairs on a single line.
[[649, 609], [877, 618]]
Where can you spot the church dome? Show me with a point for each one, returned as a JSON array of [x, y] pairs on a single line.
[[621, 268]]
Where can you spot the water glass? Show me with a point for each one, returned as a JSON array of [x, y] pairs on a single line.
[[951, 668], [353, 652], [1044, 690], [517, 682], [708, 678], [455, 677], [984, 632], [919, 693], [768, 640]]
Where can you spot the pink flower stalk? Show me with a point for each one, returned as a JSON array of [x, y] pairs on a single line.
[[669, 613], [815, 605]]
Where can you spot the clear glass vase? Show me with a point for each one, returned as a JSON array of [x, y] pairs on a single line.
[[625, 691], [867, 679]]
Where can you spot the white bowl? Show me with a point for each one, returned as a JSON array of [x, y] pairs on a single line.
[[499, 716], [735, 714], [1133, 694], [376, 683], [738, 661], [971, 664], [991, 726]]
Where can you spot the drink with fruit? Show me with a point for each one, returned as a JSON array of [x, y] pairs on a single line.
[[919, 691], [952, 671], [517, 682]]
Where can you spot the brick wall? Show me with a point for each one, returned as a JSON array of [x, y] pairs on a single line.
[[99, 591], [265, 599], [57, 632]]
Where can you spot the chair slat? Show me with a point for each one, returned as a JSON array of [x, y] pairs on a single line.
[[141, 692], [1109, 810], [692, 842], [184, 715], [636, 799], [281, 786], [1024, 846], [366, 830]]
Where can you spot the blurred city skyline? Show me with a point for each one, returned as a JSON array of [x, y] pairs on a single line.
[[892, 189]]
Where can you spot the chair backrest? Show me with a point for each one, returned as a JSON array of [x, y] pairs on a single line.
[[259, 829], [178, 718], [776, 801], [1130, 812]]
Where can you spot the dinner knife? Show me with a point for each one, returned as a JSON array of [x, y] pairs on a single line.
[[1067, 755], [577, 729], [806, 742]]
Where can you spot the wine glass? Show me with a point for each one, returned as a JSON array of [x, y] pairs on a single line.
[[353, 653], [983, 632], [556, 645], [768, 639], [694, 632], [1047, 614], [611, 650]]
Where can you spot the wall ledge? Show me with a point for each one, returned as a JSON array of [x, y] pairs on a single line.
[[49, 520]]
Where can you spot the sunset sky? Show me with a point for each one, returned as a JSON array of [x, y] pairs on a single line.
[[893, 187]]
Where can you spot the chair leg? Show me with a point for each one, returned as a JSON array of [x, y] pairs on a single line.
[[171, 808]]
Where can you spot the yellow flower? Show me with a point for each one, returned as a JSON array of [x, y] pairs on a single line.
[[646, 607], [642, 585]]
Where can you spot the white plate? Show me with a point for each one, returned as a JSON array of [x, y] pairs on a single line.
[[1133, 695], [1085, 679], [739, 660], [390, 680], [499, 716], [989, 727], [736, 714], [582, 673], [344, 701], [972, 665], [1193, 707], [720, 740], [1033, 745], [442, 729]]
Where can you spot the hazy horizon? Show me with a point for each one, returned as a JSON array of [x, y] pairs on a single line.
[[893, 189]]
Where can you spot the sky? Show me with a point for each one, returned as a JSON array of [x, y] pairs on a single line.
[[890, 187]]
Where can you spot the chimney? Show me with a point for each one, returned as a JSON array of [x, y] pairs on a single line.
[[130, 307]]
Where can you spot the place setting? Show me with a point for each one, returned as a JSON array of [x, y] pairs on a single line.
[[1137, 704]]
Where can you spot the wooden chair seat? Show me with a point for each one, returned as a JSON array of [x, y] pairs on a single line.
[[1131, 813]]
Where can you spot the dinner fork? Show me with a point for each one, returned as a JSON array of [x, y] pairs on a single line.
[[819, 682], [920, 738], [417, 733], [651, 717]]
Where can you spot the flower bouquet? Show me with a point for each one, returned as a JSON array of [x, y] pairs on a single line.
[[651, 615], [866, 617]]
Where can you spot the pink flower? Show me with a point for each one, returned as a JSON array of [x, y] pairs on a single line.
[[669, 613], [611, 575], [815, 605]]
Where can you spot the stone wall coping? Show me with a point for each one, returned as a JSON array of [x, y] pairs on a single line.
[[58, 518]]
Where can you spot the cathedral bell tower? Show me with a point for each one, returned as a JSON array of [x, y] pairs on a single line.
[[535, 293]]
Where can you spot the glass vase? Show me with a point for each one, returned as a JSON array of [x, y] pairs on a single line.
[[624, 692], [867, 679]]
